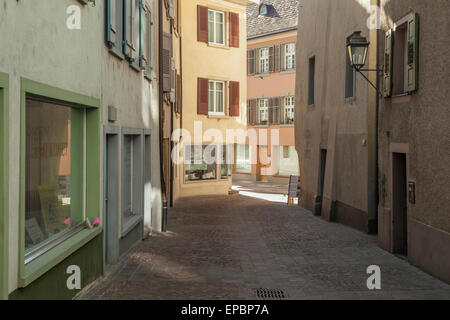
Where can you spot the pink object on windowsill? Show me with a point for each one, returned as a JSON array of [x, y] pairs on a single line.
[[96, 222], [68, 221]]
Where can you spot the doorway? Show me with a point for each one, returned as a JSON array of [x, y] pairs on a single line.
[[399, 204], [321, 183], [111, 198]]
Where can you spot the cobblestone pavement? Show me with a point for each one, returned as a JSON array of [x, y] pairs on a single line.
[[228, 247]]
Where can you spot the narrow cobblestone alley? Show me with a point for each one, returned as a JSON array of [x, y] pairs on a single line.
[[228, 247]]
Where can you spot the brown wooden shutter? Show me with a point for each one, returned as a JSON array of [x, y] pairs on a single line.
[[166, 61], [234, 99], [202, 24], [202, 106], [234, 30], [277, 67], [272, 59], [179, 16], [389, 41]]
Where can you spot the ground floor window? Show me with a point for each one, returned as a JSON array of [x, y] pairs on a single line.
[[287, 161], [132, 178], [225, 164], [243, 163], [200, 163], [54, 170]]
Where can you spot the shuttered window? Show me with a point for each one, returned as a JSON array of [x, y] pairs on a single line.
[[216, 27], [166, 62], [114, 26], [145, 40], [263, 60], [129, 44], [216, 97], [401, 57], [289, 56]]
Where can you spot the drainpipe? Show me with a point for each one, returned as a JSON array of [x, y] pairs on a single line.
[[161, 112]]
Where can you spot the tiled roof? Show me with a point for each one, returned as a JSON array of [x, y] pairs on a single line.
[[285, 17]]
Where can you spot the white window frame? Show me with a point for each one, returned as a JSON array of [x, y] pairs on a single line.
[[215, 27], [215, 112], [289, 54], [289, 108], [263, 60], [264, 108]]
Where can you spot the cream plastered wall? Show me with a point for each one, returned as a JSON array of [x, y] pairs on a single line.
[[212, 62]]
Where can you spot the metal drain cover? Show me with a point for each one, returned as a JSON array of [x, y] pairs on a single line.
[[270, 294]]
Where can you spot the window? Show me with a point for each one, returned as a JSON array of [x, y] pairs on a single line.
[[216, 28], [216, 100], [54, 171], [225, 164], [263, 60], [289, 56], [243, 162], [350, 77], [200, 163], [401, 57], [286, 152], [263, 107], [131, 179], [289, 107], [311, 89], [128, 32]]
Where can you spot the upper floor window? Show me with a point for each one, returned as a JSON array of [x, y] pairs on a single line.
[[264, 60], [216, 101], [289, 107], [263, 106], [289, 56], [216, 28]]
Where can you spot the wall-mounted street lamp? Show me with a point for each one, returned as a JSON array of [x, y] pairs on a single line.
[[358, 46]]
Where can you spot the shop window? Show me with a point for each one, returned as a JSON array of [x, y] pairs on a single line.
[[243, 163], [54, 171], [200, 163], [226, 161], [216, 27]]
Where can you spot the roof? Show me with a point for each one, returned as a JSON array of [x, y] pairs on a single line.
[[284, 17]]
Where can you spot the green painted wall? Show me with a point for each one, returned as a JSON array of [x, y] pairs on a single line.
[[52, 285]]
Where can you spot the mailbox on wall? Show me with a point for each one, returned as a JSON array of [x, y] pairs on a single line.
[[412, 192]]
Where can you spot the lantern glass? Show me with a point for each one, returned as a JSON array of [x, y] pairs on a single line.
[[357, 50]]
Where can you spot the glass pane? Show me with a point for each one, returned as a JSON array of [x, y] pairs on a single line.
[[211, 97], [210, 26], [201, 165], [219, 28], [48, 183], [219, 95], [127, 182]]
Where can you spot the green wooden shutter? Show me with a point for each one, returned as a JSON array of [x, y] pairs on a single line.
[[129, 45], [388, 64], [412, 63], [111, 26], [143, 36]]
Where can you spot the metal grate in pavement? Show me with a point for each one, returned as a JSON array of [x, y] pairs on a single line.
[[270, 294]]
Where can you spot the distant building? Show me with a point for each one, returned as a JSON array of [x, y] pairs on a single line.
[[271, 66]]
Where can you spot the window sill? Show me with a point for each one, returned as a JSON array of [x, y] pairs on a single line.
[[130, 225], [116, 53], [262, 75], [350, 100], [218, 46], [287, 125], [204, 181], [42, 264], [290, 71], [218, 116]]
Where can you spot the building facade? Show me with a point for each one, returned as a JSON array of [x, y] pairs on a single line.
[[376, 159], [79, 138], [271, 65], [212, 95], [334, 116], [414, 134]]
